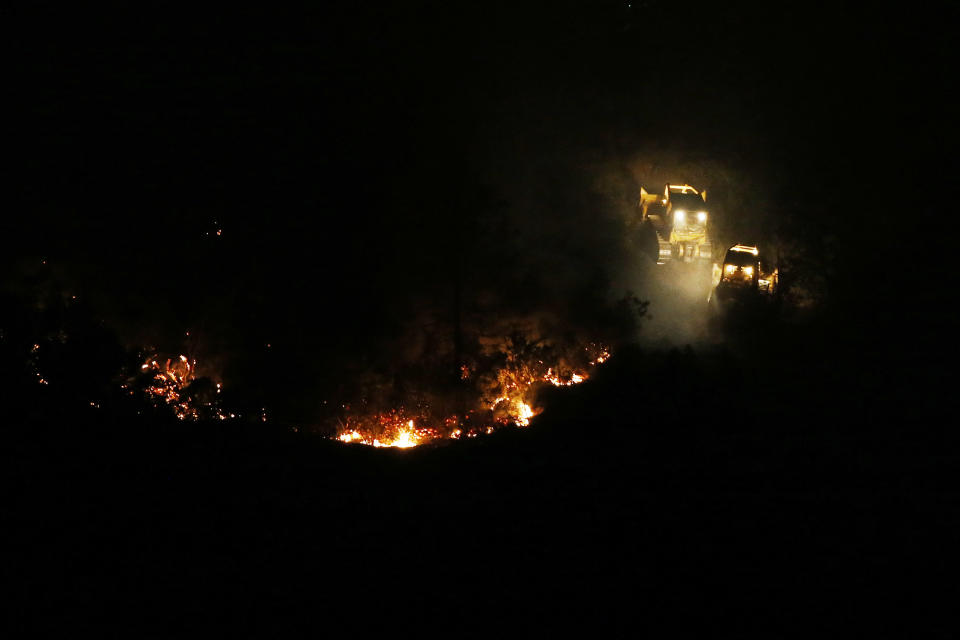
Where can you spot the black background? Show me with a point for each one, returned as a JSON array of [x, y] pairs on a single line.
[[349, 154]]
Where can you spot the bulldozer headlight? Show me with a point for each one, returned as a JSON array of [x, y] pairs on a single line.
[[679, 215], [730, 269], [748, 271], [702, 216]]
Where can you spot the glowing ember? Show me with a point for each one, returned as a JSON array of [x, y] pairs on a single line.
[[390, 429], [515, 385], [404, 438], [170, 384], [555, 380], [524, 413]]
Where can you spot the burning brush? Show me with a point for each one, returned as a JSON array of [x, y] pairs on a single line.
[[173, 382], [503, 397], [390, 429]]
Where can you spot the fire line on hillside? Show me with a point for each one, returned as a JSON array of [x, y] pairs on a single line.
[[516, 384], [509, 400]]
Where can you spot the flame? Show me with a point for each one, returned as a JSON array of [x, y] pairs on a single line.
[[557, 381], [388, 429], [601, 357], [524, 413], [516, 383], [168, 383], [404, 438]]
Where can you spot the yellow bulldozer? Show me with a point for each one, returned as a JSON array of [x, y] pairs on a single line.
[[744, 274], [679, 219]]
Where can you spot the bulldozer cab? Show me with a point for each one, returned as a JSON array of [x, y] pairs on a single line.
[[679, 188], [688, 201], [741, 267], [684, 205], [681, 193]]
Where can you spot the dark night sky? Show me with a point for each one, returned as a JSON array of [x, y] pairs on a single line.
[[344, 150]]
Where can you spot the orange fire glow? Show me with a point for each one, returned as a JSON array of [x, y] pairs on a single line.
[[516, 383], [169, 383], [390, 429]]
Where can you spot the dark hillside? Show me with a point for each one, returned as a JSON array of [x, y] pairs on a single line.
[[674, 481], [340, 210]]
